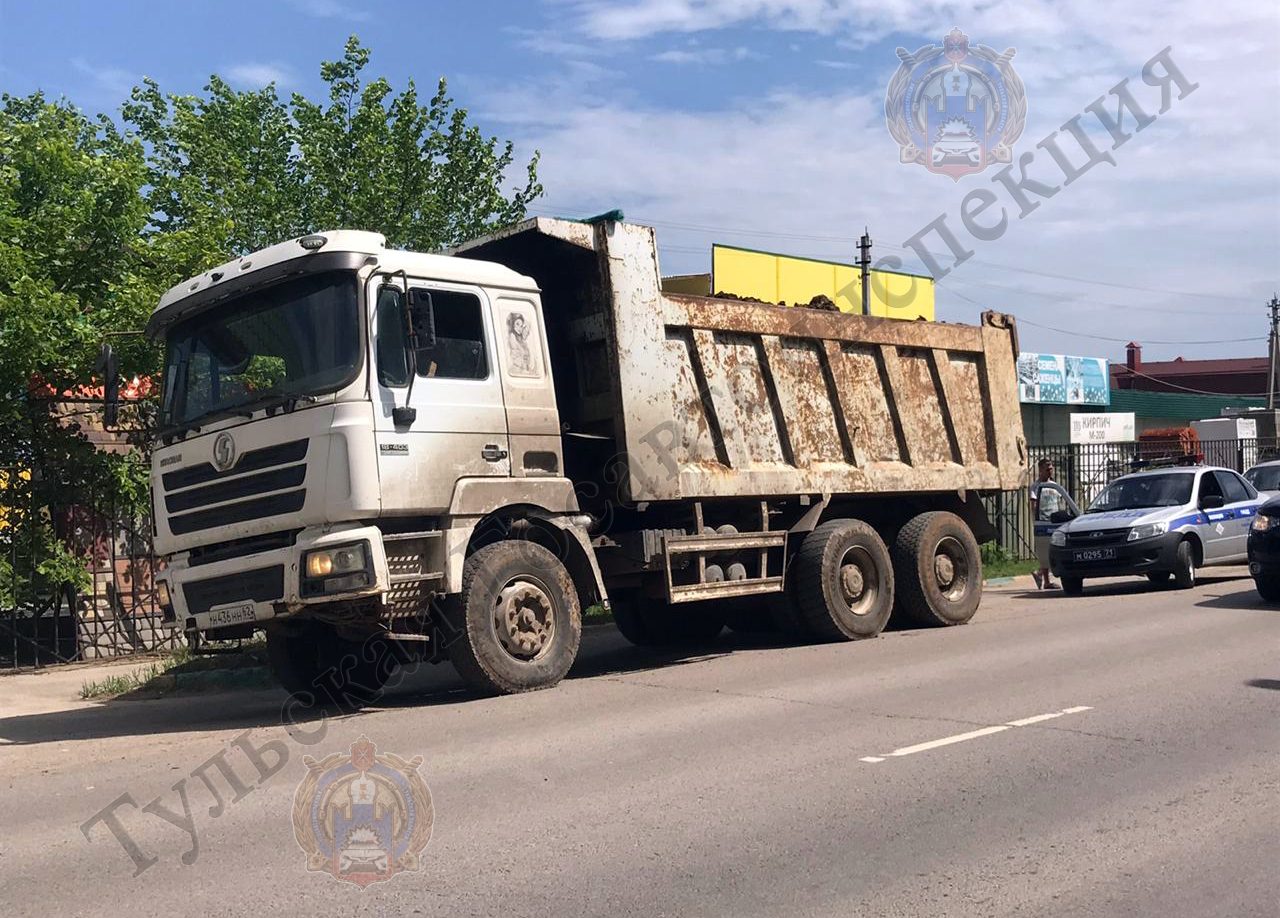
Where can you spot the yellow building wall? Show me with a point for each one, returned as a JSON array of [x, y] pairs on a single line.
[[786, 279]]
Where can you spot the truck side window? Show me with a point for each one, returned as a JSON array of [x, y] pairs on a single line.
[[459, 351], [393, 354]]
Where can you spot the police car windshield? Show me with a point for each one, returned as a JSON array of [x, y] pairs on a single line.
[[1143, 491]]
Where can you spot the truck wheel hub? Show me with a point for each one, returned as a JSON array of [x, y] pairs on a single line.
[[951, 569], [857, 581], [524, 619]]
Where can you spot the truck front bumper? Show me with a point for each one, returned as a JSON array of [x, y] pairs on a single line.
[[255, 588]]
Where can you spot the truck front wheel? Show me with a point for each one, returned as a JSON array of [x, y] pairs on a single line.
[[939, 569], [843, 581], [518, 622], [313, 662]]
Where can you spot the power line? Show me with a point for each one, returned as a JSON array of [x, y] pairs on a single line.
[[847, 242], [1063, 331]]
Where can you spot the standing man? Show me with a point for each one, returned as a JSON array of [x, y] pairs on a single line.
[[1044, 503]]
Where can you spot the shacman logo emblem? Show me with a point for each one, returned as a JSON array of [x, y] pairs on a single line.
[[363, 817], [224, 452], [955, 109]]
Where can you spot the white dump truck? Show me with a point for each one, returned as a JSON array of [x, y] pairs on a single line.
[[380, 456]]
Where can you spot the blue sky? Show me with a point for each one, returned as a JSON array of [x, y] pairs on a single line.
[[760, 123]]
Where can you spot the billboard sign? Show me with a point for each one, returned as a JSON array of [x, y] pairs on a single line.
[[1057, 379], [1112, 427]]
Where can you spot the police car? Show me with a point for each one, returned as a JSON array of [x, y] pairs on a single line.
[[1160, 523]]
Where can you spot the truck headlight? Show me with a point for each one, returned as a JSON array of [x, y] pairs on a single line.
[[335, 570], [1148, 531], [1058, 538], [1263, 523]]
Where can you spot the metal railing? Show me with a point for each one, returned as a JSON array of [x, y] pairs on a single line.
[[76, 583]]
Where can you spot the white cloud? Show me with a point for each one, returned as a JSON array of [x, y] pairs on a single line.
[[113, 80], [330, 9], [1192, 205], [706, 56], [258, 75]]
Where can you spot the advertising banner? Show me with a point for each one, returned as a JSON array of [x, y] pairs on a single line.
[[1057, 379]]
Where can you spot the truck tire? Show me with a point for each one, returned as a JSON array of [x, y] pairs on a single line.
[[518, 622], [1184, 566], [324, 670], [651, 623], [939, 570], [843, 581]]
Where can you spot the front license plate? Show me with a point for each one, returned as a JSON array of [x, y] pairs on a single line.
[[234, 615], [1094, 554]]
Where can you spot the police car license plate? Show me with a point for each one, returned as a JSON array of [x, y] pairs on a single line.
[[233, 615], [1094, 554]]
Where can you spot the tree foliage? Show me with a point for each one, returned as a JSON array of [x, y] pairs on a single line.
[[99, 216], [234, 171]]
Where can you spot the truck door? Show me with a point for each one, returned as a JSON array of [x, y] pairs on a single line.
[[527, 388], [458, 427]]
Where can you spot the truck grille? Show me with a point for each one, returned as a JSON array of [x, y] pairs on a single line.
[[262, 584], [279, 469]]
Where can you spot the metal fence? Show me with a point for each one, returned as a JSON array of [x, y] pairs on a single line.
[[1084, 469], [46, 617]]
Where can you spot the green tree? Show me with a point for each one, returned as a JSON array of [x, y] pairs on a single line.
[[232, 171]]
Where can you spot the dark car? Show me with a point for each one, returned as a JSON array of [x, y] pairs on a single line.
[[1264, 550]]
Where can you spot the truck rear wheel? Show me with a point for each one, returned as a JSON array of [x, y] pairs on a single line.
[[652, 623], [313, 662], [843, 581], [939, 569], [518, 619]]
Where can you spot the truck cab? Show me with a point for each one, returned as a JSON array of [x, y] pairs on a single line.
[[337, 416]]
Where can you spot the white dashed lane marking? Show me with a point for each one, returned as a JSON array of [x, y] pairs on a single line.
[[973, 734]]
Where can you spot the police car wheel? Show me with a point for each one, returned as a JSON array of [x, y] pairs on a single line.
[[1184, 571], [1072, 586]]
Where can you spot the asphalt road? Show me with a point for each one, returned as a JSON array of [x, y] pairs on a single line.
[[755, 780]]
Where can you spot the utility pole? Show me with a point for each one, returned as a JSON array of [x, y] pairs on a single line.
[[1273, 345], [864, 263]]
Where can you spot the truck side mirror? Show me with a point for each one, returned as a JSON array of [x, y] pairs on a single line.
[[109, 368]]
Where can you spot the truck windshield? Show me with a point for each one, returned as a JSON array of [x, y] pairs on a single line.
[[294, 339], [1142, 491]]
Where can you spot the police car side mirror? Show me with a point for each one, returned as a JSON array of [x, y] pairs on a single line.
[[1211, 502], [1062, 516]]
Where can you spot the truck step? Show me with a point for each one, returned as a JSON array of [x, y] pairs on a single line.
[[724, 589], [401, 579], [406, 536]]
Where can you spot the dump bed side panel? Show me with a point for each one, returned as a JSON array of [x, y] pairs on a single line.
[[723, 398]]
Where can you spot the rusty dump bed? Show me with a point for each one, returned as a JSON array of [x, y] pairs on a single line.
[[709, 398]]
